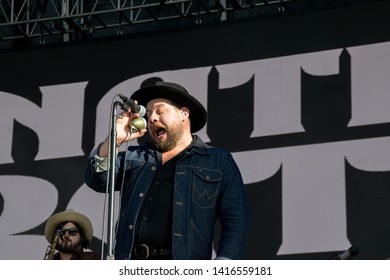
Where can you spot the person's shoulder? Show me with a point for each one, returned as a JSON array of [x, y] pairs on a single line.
[[200, 144], [217, 149], [91, 255]]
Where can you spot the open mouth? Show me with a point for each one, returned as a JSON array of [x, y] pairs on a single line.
[[159, 132]]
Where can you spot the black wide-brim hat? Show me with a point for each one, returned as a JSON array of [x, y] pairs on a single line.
[[177, 94]]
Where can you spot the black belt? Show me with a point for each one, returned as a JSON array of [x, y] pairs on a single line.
[[143, 251]]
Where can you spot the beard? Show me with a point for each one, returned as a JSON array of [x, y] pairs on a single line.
[[173, 137], [66, 246]]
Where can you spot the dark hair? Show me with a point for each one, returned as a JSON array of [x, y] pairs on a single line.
[[83, 240]]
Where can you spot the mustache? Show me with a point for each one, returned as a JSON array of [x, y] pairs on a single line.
[[64, 238], [157, 125]]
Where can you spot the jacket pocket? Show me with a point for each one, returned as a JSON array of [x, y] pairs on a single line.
[[205, 186], [132, 171]]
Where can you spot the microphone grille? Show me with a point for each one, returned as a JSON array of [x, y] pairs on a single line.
[[142, 110]]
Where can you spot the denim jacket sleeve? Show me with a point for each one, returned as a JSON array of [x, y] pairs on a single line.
[[234, 214], [96, 174]]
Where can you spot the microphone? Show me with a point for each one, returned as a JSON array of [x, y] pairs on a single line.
[[129, 103], [347, 255], [138, 123]]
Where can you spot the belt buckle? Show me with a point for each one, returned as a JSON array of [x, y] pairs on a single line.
[[142, 251]]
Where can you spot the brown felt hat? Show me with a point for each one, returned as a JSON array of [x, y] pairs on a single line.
[[177, 94], [68, 216]]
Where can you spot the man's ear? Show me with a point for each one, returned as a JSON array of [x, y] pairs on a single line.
[[184, 111]]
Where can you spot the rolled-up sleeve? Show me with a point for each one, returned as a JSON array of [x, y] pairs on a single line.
[[101, 164]]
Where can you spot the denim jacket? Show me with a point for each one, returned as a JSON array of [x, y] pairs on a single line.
[[208, 187]]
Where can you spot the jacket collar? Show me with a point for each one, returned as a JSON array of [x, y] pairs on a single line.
[[197, 146]]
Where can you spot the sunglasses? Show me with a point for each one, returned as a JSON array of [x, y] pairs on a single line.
[[71, 231]]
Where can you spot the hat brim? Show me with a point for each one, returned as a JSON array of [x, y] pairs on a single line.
[[178, 95], [68, 216]]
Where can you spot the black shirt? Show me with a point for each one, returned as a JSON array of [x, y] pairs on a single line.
[[154, 224]]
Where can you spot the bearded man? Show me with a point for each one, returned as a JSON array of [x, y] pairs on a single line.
[[174, 189], [69, 234]]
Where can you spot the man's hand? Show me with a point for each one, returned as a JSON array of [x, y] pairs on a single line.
[[123, 127], [123, 130]]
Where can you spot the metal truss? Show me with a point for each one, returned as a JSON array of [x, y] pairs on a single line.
[[44, 18]]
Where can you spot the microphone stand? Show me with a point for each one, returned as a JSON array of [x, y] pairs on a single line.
[[111, 183]]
